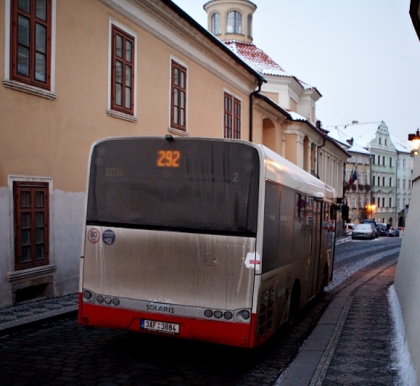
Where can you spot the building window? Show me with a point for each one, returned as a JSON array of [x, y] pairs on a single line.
[[390, 202], [373, 159], [383, 181], [380, 141], [404, 164], [409, 184], [30, 56], [383, 202], [383, 161], [232, 117], [398, 183], [122, 78], [31, 219], [373, 180], [215, 24], [379, 202], [403, 183], [390, 162], [249, 25], [359, 160], [386, 142], [234, 23], [179, 97]]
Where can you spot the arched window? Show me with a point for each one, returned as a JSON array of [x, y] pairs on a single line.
[[234, 23], [249, 25], [215, 24]]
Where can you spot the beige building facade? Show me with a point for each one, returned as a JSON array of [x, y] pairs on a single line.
[[81, 70], [73, 87]]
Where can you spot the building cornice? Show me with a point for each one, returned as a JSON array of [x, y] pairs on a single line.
[[167, 22], [415, 15]]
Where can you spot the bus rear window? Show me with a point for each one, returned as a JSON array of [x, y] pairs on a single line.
[[184, 184]]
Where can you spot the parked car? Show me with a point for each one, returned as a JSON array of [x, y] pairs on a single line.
[[381, 228], [374, 229], [348, 230], [369, 221], [364, 231], [393, 232]]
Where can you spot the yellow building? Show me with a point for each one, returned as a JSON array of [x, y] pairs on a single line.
[[80, 70]]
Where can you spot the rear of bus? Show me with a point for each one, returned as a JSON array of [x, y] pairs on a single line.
[[171, 237]]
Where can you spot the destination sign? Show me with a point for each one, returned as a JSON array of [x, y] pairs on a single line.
[[168, 158]]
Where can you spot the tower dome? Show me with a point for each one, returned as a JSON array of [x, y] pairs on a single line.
[[230, 19]]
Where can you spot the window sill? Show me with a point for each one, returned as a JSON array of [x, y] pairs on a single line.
[[18, 86], [182, 133], [30, 272], [117, 114]]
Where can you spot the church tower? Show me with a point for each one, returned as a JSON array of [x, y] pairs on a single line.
[[230, 19]]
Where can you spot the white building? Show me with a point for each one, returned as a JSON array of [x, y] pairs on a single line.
[[390, 168]]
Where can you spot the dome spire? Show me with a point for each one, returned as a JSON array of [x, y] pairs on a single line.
[[230, 19]]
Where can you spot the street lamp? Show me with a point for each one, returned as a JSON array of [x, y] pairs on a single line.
[[371, 208], [415, 143]]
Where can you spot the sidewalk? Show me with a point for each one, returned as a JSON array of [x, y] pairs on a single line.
[[36, 311], [351, 344]]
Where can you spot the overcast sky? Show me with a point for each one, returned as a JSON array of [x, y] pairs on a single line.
[[363, 56]]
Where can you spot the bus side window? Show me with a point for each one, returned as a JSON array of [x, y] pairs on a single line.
[[271, 245]]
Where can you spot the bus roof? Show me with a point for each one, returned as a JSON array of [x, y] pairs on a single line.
[[287, 173]]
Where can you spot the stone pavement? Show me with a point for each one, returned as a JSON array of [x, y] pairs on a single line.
[[351, 344], [36, 311]]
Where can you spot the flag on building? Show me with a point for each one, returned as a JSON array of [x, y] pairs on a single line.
[[355, 175], [351, 177]]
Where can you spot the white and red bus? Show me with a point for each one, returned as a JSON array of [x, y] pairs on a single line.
[[208, 239]]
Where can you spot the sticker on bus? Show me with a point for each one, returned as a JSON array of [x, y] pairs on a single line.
[[94, 235], [153, 325], [108, 237]]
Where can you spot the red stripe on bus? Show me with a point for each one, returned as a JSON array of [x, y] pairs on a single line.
[[229, 333]]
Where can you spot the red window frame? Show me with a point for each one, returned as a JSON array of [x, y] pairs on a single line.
[[178, 96], [31, 223], [31, 40], [122, 77], [232, 117]]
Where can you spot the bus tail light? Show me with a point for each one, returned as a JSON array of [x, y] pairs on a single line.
[[242, 315], [245, 314]]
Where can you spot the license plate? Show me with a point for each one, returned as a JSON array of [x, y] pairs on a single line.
[[153, 325]]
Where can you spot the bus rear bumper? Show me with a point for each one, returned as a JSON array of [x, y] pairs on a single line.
[[220, 332]]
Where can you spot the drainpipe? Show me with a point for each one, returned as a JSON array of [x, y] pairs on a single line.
[[251, 106], [324, 140]]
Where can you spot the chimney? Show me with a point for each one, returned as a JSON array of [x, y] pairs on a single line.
[[354, 122], [350, 141]]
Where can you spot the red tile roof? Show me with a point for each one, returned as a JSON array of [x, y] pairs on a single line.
[[258, 59]]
